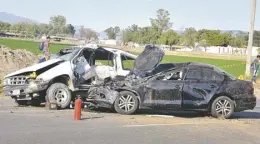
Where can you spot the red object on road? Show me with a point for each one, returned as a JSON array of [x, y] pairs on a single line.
[[77, 112]]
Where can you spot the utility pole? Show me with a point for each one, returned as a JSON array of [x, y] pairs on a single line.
[[250, 40]]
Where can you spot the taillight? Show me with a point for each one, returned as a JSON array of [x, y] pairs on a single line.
[[251, 88]]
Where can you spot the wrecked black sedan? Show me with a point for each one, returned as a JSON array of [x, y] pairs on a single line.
[[185, 86]]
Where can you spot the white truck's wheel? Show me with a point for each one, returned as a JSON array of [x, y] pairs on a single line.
[[60, 93]]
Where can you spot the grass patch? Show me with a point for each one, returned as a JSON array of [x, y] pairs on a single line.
[[30, 45], [233, 67]]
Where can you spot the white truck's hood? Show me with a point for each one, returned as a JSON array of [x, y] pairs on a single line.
[[34, 67]]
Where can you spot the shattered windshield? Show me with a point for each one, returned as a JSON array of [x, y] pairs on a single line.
[[66, 55], [226, 73]]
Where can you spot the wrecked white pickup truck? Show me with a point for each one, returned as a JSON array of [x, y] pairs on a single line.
[[65, 73]]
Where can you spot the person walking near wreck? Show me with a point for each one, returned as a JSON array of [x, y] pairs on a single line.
[[44, 47], [255, 68]]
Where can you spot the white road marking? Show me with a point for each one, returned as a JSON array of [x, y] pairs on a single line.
[[163, 116]]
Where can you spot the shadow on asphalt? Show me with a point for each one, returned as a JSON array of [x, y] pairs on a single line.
[[246, 115], [183, 114]]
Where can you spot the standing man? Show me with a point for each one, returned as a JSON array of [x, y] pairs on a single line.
[[255, 68], [46, 44], [44, 47]]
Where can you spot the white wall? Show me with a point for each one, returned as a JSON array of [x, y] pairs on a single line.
[[110, 42]]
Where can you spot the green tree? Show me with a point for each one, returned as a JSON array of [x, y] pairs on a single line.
[[203, 43], [69, 29], [225, 39], [112, 32], [126, 36], [189, 37], [90, 34], [130, 34], [4, 26], [162, 22], [58, 22], [169, 38], [145, 35], [238, 42], [32, 30], [256, 38]]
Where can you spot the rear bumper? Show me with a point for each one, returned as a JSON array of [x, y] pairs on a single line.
[[243, 103], [12, 90]]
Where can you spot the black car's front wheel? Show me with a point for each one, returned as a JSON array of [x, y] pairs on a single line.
[[126, 103], [222, 107]]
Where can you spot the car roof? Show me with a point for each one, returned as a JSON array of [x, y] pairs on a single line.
[[202, 65], [110, 49], [118, 51]]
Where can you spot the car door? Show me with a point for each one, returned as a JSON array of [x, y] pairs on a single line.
[[200, 85], [80, 65], [163, 94]]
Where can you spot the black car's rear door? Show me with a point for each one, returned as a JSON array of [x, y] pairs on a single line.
[[200, 85], [163, 94]]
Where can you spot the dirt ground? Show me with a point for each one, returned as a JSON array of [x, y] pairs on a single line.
[[12, 60]]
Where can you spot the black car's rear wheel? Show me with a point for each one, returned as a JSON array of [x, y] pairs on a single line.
[[222, 107], [126, 103]]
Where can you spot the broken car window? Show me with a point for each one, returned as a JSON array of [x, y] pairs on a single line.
[[194, 74], [224, 72], [211, 75], [103, 57], [127, 62]]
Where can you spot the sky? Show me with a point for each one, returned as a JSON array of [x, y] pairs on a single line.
[[101, 14]]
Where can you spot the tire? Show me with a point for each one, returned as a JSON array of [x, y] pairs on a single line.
[[59, 93], [128, 109], [222, 107]]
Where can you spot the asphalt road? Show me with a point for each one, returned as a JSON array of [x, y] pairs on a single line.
[[38, 126]]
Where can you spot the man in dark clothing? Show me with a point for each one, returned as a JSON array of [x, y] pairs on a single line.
[[255, 68]]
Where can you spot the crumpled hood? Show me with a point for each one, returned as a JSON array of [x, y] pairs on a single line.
[[148, 60], [34, 67]]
